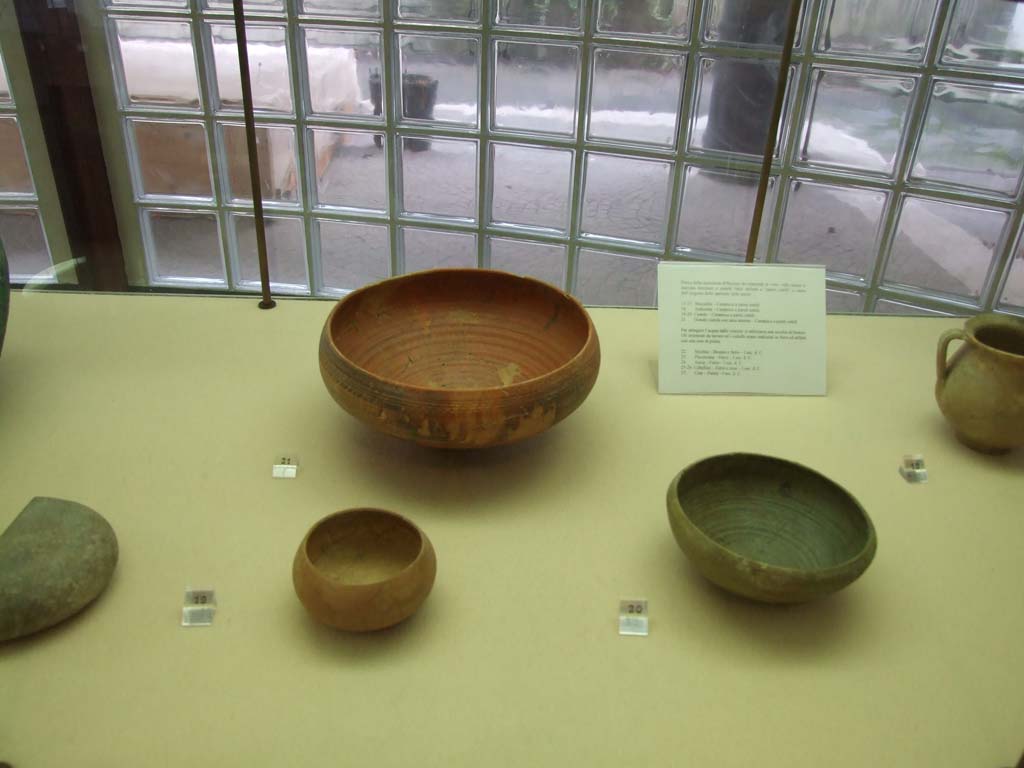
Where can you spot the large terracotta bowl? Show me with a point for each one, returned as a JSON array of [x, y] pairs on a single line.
[[769, 529], [363, 569], [459, 358]]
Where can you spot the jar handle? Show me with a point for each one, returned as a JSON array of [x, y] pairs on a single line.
[[942, 369]]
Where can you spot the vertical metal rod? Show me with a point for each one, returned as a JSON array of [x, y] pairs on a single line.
[[792, 21], [254, 165]]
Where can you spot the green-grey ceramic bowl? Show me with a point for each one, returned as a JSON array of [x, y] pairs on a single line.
[[769, 529]]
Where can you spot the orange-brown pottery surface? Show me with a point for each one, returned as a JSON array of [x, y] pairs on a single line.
[[459, 358], [363, 569]]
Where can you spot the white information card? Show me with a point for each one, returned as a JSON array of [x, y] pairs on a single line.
[[741, 328]]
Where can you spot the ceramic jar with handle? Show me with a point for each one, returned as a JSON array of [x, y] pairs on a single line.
[[980, 389]]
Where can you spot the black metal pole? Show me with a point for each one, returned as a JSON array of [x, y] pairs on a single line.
[[254, 165], [773, 127]]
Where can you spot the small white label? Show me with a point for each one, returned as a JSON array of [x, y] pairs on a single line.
[[633, 618], [285, 468], [199, 608], [913, 469]]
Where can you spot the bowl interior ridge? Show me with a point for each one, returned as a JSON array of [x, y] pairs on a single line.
[[775, 513], [363, 547], [462, 334]]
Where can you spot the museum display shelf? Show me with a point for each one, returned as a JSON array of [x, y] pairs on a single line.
[[166, 415]]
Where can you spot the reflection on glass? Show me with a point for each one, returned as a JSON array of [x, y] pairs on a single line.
[[446, 66], [24, 243], [888, 307], [268, 66], [286, 253], [350, 170], [153, 4], [14, 174], [340, 67], [275, 147], [158, 61], [611, 280], [855, 120], [877, 28], [986, 34], [640, 17], [973, 137], [734, 105], [635, 96], [173, 158], [717, 210], [535, 87], [531, 186], [760, 23], [360, 9], [442, 179], [539, 13], [543, 261], [440, 10], [5, 87], [1013, 291], [432, 249], [945, 247], [831, 225], [843, 302], [625, 198], [353, 255], [186, 248], [249, 6]]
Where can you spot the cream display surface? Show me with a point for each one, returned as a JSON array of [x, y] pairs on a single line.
[[166, 414]]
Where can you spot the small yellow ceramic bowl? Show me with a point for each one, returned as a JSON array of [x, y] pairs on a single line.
[[363, 569]]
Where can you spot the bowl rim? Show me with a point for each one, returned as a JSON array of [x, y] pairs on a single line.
[[816, 574], [325, 574], [985, 320], [511, 388]]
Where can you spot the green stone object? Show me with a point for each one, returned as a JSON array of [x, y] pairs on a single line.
[[5, 295], [769, 529], [55, 558]]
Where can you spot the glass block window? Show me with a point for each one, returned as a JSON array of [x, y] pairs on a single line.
[[578, 142], [894, 29], [1012, 295], [843, 302], [610, 279], [286, 253], [941, 246], [905, 169], [535, 87], [715, 212], [837, 225], [635, 96], [985, 34], [973, 137], [5, 85], [855, 120], [351, 254], [543, 261], [21, 224]]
